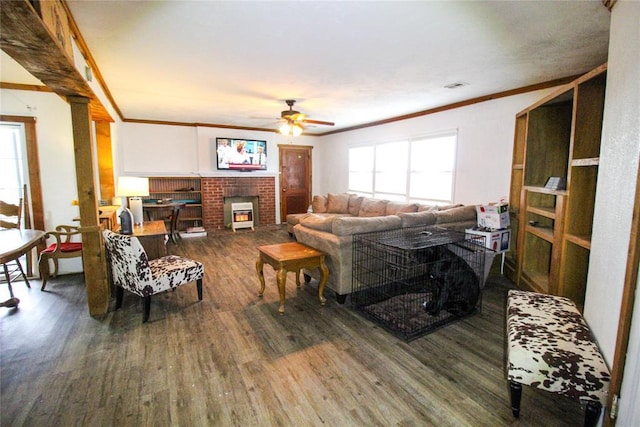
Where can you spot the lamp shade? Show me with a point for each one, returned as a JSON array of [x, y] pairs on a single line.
[[131, 186]]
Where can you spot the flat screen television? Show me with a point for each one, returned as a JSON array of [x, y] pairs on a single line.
[[241, 154]]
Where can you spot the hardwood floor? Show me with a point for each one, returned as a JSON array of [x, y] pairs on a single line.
[[232, 360]]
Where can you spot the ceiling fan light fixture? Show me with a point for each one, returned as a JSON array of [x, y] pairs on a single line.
[[285, 128], [296, 129]]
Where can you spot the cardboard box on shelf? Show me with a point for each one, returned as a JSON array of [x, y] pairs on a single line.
[[495, 217], [496, 240]]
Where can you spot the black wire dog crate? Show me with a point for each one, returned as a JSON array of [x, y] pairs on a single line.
[[414, 280]]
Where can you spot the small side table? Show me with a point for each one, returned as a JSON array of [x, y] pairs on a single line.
[[292, 256]]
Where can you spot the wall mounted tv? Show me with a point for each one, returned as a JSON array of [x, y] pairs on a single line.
[[241, 154]]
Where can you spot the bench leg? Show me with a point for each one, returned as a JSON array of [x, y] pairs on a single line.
[[592, 414], [516, 394]]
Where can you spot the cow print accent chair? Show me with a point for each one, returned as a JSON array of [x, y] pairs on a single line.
[[131, 270], [550, 347]]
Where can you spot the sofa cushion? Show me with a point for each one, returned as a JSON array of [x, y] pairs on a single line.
[[459, 214], [319, 204], [393, 208], [373, 207], [318, 222], [345, 226], [338, 203], [411, 219], [355, 202]]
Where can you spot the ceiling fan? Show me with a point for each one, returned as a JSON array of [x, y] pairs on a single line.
[[294, 121]]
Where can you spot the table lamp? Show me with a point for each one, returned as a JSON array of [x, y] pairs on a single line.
[[133, 187]]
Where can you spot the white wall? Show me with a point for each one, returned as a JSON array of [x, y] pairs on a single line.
[[148, 150], [485, 146], [55, 153], [619, 157]]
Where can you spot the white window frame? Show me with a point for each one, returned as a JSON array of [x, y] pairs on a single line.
[[405, 195]]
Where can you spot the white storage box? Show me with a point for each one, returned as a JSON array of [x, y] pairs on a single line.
[[496, 240], [495, 217]]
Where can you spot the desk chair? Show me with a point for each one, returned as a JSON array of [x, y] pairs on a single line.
[[63, 247], [11, 217], [132, 270]]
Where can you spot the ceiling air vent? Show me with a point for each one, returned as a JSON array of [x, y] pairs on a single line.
[[455, 85]]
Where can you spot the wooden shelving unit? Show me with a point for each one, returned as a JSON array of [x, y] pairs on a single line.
[[559, 136], [186, 189]]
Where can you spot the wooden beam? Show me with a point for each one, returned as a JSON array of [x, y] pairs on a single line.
[[93, 256], [29, 42]]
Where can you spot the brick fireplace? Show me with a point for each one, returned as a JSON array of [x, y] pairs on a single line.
[[216, 189]]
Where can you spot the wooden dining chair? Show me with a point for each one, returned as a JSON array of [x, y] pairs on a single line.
[[11, 217], [66, 245]]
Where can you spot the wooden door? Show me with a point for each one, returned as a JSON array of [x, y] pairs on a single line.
[[295, 179]]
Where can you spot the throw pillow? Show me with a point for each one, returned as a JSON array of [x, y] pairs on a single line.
[[319, 204], [354, 204], [338, 203], [394, 208], [447, 207]]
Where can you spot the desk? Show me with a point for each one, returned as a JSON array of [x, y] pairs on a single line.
[[152, 237], [107, 216], [14, 243], [291, 256], [154, 210]]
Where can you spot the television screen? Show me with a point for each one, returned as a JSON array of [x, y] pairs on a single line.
[[241, 154]]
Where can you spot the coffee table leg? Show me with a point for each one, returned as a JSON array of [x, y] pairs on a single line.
[[259, 265], [281, 277], [323, 280], [297, 278]]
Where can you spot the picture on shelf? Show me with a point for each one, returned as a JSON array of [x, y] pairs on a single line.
[[241, 154]]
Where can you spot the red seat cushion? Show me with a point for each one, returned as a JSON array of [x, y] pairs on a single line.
[[65, 247]]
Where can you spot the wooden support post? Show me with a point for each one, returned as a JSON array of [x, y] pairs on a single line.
[[93, 256]]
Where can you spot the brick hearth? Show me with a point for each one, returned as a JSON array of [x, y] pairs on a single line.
[[215, 189]]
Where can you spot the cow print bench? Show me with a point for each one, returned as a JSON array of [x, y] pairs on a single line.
[[550, 347]]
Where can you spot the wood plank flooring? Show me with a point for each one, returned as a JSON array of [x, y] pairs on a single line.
[[231, 360]]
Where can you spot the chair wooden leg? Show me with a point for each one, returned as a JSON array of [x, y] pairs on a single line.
[[199, 286], [8, 277], [119, 296], [43, 266], [147, 308], [516, 395], [24, 276], [592, 414]]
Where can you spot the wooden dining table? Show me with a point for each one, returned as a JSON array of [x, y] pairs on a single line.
[[13, 244]]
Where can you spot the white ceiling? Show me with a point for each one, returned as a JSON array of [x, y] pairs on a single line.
[[235, 62]]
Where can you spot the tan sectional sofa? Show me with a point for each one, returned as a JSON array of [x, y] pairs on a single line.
[[337, 217]]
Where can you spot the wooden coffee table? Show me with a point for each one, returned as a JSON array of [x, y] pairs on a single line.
[[291, 256]]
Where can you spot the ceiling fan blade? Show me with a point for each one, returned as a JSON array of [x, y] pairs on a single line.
[[297, 117], [318, 122]]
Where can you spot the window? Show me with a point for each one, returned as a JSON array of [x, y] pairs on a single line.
[[416, 169], [12, 163]]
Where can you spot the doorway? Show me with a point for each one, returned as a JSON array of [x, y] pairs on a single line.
[[295, 179], [20, 172]]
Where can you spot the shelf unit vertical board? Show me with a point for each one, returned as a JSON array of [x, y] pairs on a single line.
[[573, 275], [548, 140], [520, 139], [516, 188]]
